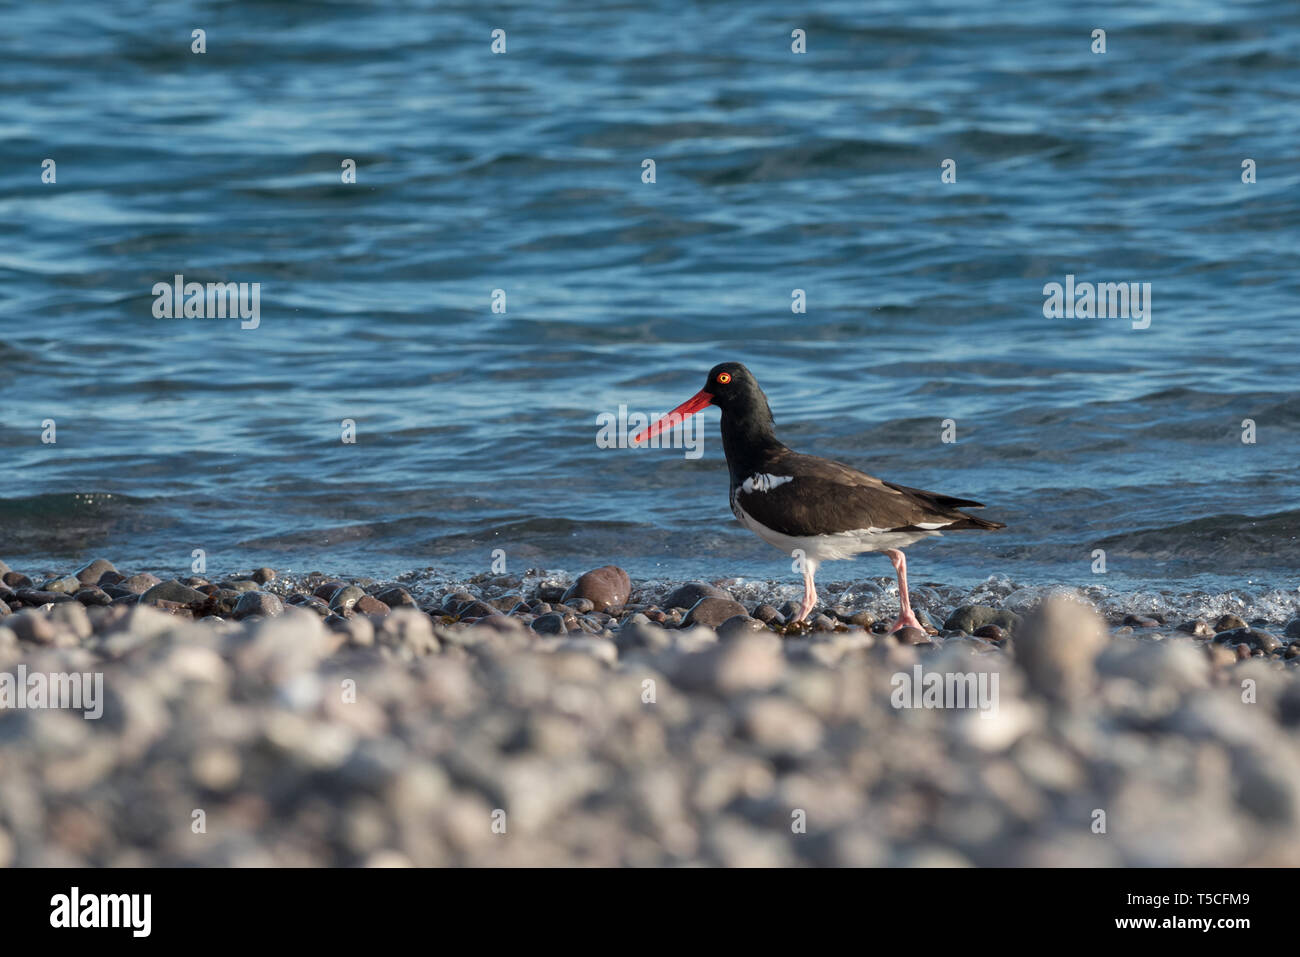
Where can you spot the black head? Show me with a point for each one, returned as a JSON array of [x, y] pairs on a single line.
[[746, 416], [735, 391]]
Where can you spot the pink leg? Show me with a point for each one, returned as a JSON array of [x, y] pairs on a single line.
[[809, 591], [905, 617]]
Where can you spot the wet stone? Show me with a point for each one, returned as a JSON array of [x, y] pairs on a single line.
[[607, 588], [688, 595], [172, 591], [345, 598], [713, 612], [369, 605], [551, 623], [261, 603], [1228, 623]]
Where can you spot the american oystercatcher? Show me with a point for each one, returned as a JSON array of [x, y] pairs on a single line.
[[809, 507]]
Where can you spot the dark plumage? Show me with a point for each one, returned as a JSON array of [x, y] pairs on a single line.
[[818, 509]]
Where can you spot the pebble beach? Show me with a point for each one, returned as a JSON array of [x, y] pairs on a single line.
[[547, 719]]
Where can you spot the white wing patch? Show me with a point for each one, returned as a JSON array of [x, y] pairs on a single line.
[[762, 482], [932, 525]]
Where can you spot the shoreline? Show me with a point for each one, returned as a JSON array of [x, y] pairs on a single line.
[[360, 729]]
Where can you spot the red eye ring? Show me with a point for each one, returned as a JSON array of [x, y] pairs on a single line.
[[724, 377]]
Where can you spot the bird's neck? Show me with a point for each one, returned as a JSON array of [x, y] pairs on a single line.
[[749, 442]]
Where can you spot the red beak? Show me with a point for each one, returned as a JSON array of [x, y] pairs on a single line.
[[676, 417]]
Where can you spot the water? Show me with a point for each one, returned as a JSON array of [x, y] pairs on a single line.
[[476, 430]]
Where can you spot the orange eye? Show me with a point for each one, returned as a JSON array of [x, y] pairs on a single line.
[[724, 378]]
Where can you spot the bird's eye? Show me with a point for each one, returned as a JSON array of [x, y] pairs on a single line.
[[724, 378]]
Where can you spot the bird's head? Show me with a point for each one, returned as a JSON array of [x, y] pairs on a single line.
[[729, 386]]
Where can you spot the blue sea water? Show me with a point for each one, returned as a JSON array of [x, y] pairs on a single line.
[[523, 172]]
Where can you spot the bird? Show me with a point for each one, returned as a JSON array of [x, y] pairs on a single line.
[[813, 508]]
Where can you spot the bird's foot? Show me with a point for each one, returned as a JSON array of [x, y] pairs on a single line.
[[907, 620]]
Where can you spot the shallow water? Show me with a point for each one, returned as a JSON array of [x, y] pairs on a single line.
[[522, 172]]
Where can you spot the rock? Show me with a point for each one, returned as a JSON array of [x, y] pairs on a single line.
[[782, 726], [396, 597], [92, 572], [4, 608], [32, 626], [768, 615], [551, 623], [688, 595], [258, 603], [66, 585], [863, 619], [712, 612], [1252, 637], [1228, 623], [345, 598], [16, 580], [990, 631], [172, 591], [1056, 646], [93, 596], [1292, 629], [72, 617], [911, 636], [240, 585], [1197, 628], [739, 625], [607, 588], [408, 631], [476, 609], [749, 663], [138, 584], [970, 618], [370, 605], [263, 575], [34, 597]]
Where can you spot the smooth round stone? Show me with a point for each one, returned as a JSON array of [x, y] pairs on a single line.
[[240, 585], [738, 625], [581, 605], [91, 572], [990, 631], [261, 603], [607, 588], [768, 614], [863, 619], [712, 612], [1197, 628], [1255, 639], [911, 636], [551, 623], [93, 596], [345, 598], [17, 580], [68, 584], [263, 575], [477, 609], [171, 591], [970, 618], [689, 595], [396, 597], [139, 584], [370, 605], [325, 591], [1228, 623]]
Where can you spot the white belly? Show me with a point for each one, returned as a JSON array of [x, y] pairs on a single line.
[[829, 548]]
